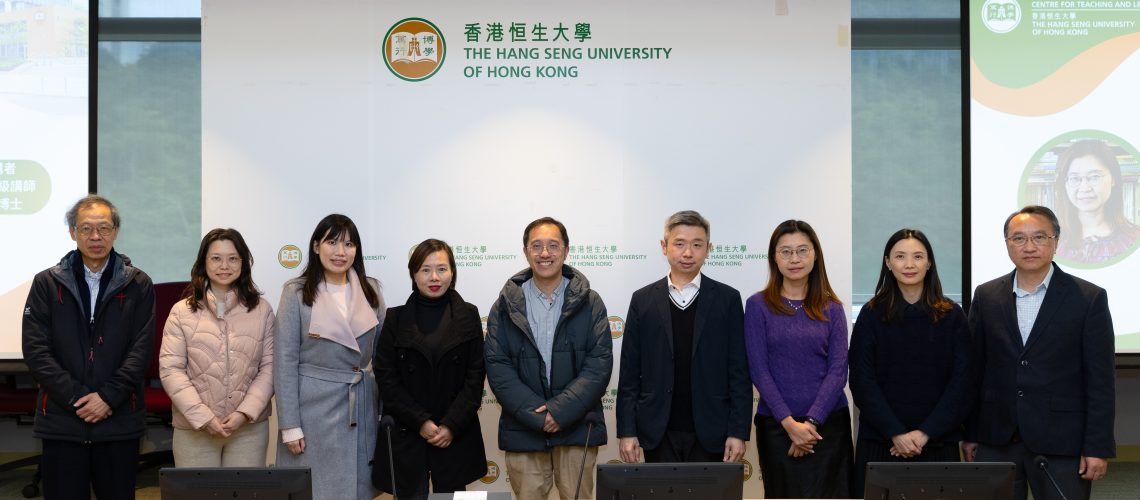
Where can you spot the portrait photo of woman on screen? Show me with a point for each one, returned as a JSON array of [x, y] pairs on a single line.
[[1090, 179], [1094, 225]]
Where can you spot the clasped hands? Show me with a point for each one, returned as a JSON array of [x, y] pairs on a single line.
[[225, 427], [436, 435], [549, 424], [909, 445], [91, 408], [804, 437]]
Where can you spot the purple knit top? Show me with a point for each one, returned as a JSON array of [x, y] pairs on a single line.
[[798, 364]]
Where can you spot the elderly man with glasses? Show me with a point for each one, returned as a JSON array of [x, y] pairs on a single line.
[[87, 333]]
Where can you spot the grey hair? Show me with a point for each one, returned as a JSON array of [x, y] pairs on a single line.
[[687, 218], [72, 215]]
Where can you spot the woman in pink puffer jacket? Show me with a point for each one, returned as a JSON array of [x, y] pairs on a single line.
[[216, 360]]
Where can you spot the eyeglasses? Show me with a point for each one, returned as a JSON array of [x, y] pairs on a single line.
[[537, 246], [786, 253], [232, 260], [104, 230], [1019, 240], [1092, 179]]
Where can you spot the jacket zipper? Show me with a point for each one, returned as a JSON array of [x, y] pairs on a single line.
[[91, 348]]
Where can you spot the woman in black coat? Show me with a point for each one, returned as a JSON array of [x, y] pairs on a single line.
[[429, 366], [909, 362]]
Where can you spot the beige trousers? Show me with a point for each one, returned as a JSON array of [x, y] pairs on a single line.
[[533, 474], [244, 448]]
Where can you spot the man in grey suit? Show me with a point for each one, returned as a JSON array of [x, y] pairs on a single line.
[[1043, 367]]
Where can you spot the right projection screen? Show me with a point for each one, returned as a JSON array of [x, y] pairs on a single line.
[[1053, 121]]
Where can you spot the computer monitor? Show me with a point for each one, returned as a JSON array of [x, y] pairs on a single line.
[[673, 481], [236, 483], [939, 480]]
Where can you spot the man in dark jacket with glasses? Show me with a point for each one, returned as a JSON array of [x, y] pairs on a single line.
[[87, 336], [548, 355]]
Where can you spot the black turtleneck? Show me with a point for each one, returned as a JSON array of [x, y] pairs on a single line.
[[429, 311]]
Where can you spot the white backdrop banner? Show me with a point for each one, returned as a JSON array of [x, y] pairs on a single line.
[[465, 121]]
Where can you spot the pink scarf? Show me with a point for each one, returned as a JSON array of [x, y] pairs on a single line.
[[327, 322]]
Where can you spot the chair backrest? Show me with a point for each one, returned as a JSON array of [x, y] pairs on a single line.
[[165, 296], [14, 399]]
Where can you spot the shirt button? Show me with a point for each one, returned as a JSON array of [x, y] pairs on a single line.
[[1024, 363], [1020, 393]]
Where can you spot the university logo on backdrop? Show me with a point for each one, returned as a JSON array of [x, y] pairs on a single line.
[[1001, 16], [617, 327], [414, 49], [747, 468], [289, 256], [492, 473]]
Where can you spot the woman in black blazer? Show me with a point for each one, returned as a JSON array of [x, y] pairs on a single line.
[[429, 366], [909, 362]]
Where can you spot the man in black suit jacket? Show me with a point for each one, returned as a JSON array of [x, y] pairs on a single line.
[[684, 393], [1044, 367]]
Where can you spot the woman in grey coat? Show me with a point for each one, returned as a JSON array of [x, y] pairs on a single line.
[[327, 325]]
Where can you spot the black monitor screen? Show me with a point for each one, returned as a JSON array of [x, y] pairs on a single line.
[[939, 480], [675, 481], [262, 483]]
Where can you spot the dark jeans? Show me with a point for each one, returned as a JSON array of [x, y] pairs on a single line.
[[71, 471]]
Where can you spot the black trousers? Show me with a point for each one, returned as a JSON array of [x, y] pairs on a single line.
[[1063, 468], [680, 446], [422, 490], [71, 471], [827, 473], [867, 450]]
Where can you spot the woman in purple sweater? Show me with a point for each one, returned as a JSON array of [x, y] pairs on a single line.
[[796, 336]]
